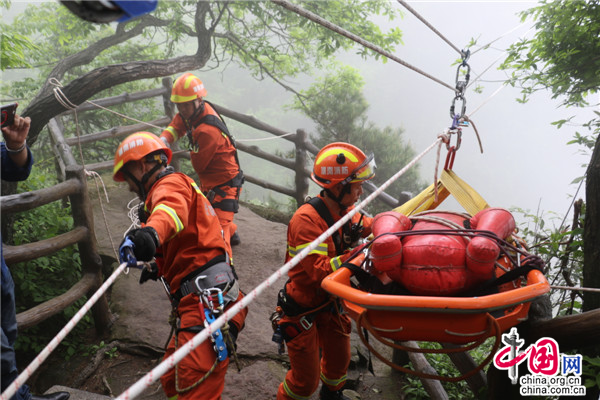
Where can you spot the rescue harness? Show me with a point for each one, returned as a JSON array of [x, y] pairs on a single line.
[[237, 181], [211, 283], [287, 306]]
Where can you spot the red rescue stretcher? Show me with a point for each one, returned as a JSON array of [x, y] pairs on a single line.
[[450, 319]]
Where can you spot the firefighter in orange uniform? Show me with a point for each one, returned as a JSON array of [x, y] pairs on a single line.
[[212, 150], [181, 231], [317, 334]]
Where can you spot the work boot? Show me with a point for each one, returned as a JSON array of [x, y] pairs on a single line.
[[326, 394], [235, 239], [52, 396]]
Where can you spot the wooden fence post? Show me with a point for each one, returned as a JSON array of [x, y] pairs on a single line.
[[91, 262], [301, 179], [170, 112]]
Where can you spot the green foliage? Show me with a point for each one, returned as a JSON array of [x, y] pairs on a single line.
[[561, 248], [442, 364], [562, 56], [12, 50], [591, 372], [336, 103], [44, 278], [110, 351]]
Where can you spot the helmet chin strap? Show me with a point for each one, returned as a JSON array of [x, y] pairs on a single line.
[[141, 185], [188, 123], [197, 111], [338, 199]]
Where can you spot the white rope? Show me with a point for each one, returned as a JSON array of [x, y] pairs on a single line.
[[339, 30], [133, 215], [66, 103], [581, 289], [500, 37], [147, 380], [487, 100], [265, 138], [444, 138], [39, 359]]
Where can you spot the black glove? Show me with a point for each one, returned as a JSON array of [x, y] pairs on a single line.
[[145, 241], [149, 272]]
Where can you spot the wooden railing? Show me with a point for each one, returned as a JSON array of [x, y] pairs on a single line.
[[75, 188], [299, 165], [73, 185]]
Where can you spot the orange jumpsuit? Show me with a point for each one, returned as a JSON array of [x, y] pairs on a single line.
[[214, 160], [190, 236], [330, 330]]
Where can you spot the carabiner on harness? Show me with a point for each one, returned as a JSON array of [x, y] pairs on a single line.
[[209, 317]]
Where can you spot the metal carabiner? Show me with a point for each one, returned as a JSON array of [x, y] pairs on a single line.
[[463, 109]]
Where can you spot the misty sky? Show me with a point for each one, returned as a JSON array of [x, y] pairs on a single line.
[[526, 161]]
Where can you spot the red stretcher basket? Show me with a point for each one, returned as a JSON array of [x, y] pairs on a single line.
[[457, 320]]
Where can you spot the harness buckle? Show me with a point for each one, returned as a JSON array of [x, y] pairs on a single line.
[[305, 323]]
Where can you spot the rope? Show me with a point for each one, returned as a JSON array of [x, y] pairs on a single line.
[[64, 100], [265, 138], [329, 25], [66, 103], [41, 357], [500, 37], [444, 138], [362, 322], [577, 289], [147, 380], [416, 14]]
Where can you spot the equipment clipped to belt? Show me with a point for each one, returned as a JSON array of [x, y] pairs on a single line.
[[211, 311], [224, 204], [288, 330]]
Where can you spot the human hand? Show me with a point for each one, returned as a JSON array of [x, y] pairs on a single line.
[[145, 241], [150, 271], [16, 134]]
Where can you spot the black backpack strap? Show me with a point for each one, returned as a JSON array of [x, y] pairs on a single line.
[[219, 123], [319, 205]]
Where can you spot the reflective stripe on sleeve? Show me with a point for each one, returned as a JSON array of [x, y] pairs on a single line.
[[320, 249], [336, 262], [172, 214]]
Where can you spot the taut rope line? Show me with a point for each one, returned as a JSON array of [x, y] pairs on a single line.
[[331, 26], [138, 387], [40, 358]]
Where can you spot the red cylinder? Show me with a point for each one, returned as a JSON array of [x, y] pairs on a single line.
[[482, 252], [386, 253], [390, 221]]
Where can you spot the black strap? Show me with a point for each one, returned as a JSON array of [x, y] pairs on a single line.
[[179, 294], [218, 122], [321, 208], [534, 262]]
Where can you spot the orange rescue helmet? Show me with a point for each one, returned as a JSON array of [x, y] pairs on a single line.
[[138, 146], [187, 88], [342, 163]]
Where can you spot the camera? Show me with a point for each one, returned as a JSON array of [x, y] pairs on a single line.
[[8, 114]]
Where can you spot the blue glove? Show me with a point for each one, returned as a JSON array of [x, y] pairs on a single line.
[[126, 254]]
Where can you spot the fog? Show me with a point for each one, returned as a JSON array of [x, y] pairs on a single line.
[[526, 162]]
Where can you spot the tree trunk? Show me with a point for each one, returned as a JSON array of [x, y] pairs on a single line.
[[591, 232]]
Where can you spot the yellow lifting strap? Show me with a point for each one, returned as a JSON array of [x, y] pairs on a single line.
[[449, 183]]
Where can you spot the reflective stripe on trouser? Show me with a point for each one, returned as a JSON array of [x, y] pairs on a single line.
[[331, 333]]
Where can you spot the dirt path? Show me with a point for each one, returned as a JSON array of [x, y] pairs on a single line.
[[142, 311]]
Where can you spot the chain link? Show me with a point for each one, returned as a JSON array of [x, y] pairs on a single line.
[[461, 85]]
